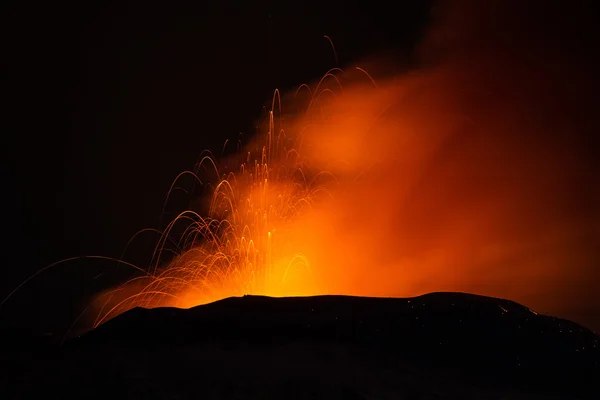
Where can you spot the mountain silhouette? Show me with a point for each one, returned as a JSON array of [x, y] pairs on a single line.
[[438, 345]]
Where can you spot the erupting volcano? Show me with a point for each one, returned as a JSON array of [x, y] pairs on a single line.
[[380, 188], [423, 221], [470, 173]]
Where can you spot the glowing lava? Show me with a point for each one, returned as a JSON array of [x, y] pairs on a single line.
[[248, 243]]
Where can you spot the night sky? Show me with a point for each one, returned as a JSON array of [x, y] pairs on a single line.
[[106, 104]]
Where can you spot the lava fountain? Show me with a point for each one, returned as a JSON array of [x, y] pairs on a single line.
[[248, 243], [394, 187]]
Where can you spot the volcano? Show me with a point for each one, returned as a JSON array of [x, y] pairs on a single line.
[[438, 345]]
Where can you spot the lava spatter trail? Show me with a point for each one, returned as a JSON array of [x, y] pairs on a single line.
[[244, 245]]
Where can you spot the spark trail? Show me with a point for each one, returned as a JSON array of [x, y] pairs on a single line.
[[244, 244]]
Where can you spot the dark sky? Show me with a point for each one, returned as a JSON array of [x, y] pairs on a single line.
[[107, 104]]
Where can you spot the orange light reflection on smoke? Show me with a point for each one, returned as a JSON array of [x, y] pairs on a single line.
[[469, 175]]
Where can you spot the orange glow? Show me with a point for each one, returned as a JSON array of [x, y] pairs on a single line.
[[465, 175], [377, 191]]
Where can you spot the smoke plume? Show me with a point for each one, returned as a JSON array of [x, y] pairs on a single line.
[[474, 172]]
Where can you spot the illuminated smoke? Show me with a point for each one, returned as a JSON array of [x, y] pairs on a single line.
[[474, 172]]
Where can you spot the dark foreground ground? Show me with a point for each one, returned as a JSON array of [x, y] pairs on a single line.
[[440, 345]]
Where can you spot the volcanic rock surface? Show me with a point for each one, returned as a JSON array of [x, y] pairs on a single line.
[[439, 345]]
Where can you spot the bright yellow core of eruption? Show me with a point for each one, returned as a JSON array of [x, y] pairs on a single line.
[[240, 247]]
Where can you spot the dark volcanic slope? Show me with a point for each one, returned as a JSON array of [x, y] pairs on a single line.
[[498, 338], [442, 344]]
